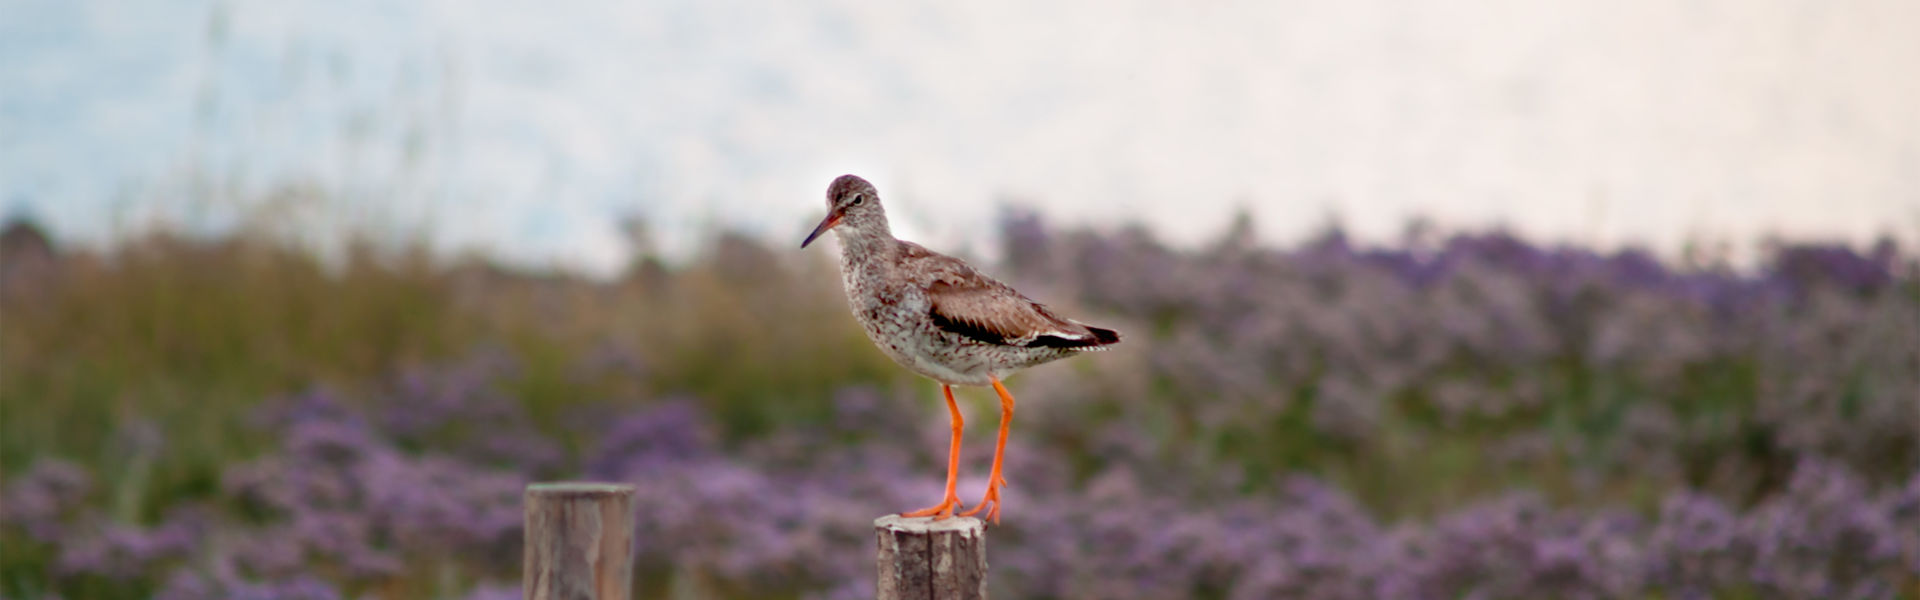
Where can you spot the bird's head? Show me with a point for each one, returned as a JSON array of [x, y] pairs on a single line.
[[853, 205]]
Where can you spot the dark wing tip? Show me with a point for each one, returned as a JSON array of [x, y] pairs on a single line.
[[1104, 336]]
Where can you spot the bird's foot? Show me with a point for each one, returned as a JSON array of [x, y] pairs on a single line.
[[940, 511], [990, 502]]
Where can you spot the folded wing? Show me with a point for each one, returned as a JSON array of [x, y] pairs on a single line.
[[995, 314]]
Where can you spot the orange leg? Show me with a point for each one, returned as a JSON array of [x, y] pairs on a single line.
[[994, 480], [952, 501]]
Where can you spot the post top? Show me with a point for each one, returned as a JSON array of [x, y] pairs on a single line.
[[965, 525], [584, 488]]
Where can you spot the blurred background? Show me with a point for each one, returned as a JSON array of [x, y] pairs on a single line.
[[1493, 300]]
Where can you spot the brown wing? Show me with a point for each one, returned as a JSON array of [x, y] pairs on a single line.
[[976, 306]]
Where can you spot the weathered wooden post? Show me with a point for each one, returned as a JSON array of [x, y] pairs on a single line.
[[579, 541], [924, 558]]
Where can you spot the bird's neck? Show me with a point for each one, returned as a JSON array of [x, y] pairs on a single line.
[[866, 243]]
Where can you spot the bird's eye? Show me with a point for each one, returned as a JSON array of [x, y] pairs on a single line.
[[856, 199]]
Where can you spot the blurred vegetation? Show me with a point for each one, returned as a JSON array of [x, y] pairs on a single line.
[[1419, 386], [187, 336]]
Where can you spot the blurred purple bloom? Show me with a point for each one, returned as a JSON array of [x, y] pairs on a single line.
[[493, 591], [123, 551], [39, 500]]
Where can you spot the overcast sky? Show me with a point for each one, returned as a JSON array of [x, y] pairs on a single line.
[[531, 128]]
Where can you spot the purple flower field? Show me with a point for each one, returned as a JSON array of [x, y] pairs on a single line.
[[1468, 417]]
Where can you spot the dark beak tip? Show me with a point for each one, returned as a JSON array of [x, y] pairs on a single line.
[[825, 224]]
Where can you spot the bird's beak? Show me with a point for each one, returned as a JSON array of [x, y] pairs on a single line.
[[833, 218]]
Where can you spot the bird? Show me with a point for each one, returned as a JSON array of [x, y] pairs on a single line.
[[939, 317]]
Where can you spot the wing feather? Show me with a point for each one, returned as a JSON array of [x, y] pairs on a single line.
[[965, 302]]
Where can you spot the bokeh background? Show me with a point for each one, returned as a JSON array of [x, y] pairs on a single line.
[[1488, 300]]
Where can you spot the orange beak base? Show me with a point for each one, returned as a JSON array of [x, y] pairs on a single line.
[[825, 224]]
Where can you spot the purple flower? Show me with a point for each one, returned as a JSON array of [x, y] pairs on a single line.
[[40, 500], [124, 552]]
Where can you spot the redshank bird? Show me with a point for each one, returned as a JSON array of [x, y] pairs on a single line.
[[938, 317]]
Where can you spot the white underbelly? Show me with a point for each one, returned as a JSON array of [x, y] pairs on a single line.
[[952, 365]]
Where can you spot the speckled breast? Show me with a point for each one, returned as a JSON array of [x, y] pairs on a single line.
[[897, 318]]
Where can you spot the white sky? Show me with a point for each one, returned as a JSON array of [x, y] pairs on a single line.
[[531, 128]]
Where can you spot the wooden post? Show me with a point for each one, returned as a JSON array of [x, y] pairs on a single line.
[[579, 541], [924, 558]]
